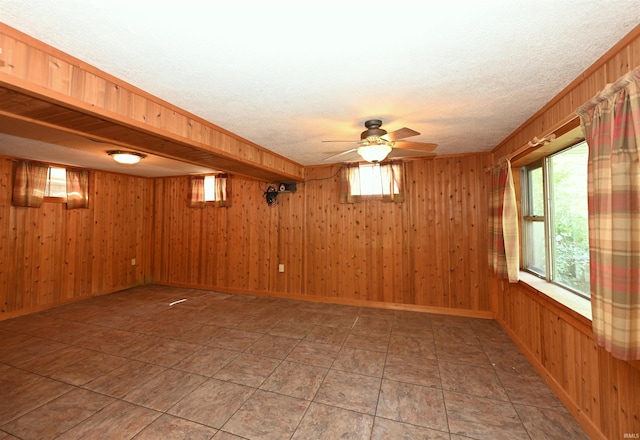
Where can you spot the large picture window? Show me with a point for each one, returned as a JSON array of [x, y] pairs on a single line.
[[554, 218]]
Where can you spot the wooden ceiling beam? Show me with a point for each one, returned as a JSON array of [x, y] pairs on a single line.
[[42, 85]]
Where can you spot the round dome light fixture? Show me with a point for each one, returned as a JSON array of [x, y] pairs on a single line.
[[126, 157]]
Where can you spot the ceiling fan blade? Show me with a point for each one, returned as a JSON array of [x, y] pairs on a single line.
[[422, 146], [352, 141], [401, 133], [407, 153], [343, 153]]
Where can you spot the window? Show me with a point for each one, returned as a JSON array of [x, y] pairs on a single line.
[[56, 186], [369, 182], [209, 188], [554, 218], [213, 190]]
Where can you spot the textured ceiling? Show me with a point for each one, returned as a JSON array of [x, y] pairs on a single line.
[[290, 74]]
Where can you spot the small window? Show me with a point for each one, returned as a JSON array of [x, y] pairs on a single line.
[[370, 182], [554, 218], [56, 186]]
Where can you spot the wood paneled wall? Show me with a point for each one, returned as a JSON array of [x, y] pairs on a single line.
[[51, 255], [429, 251], [601, 391], [44, 85]]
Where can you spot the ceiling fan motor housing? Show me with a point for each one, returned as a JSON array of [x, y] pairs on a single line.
[[373, 131]]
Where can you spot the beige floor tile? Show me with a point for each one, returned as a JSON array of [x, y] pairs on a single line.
[[355, 360], [327, 334], [168, 427], [413, 404], [168, 352], [122, 380], [337, 368], [314, 353], [88, 369], [267, 416], [117, 421], [164, 390], [477, 381], [23, 392], [543, 423], [368, 341], [277, 347], [213, 403], [385, 429], [207, 361], [349, 391], [329, 422], [237, 340], [411, 369], [412, 345], [58, 415], [482, 418], [248, 369], [295, 380]]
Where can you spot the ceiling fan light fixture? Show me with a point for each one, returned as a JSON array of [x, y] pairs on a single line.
[[126, 157], [374, 153]]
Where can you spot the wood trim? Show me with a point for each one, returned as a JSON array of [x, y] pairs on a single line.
[[583, 419], [611, 53], [45, 86], [345, 301]]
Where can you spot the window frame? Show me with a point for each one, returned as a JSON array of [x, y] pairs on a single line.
[[379, 180], [527, 218], [49, 198], [210, 188]]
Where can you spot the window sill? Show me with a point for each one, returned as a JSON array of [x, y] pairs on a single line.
[[576, 303]]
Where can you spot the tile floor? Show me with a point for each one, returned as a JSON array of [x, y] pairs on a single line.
[[219, 366]]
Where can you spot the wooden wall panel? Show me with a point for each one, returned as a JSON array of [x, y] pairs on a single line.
[[623, 57], [429, 251], [51, 255], [601, 391], [97, 104]]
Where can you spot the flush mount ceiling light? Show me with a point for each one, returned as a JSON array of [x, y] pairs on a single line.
[[374, 153], [126, 157]]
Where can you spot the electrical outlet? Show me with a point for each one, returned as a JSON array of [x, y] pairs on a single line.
[[133, 261], [280, 268]]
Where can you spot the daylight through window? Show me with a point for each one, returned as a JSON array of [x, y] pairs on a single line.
[[554, 218], [56, 183], [209, 188], [371, 182]]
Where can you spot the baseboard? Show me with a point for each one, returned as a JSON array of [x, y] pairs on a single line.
[[585, 422], [484, 314]]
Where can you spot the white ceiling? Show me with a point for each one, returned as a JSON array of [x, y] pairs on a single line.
[[289, 74]]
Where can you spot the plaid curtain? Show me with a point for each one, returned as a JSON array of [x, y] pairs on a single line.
[[77, 188], [29, 183], [611, 125], [504, 252]]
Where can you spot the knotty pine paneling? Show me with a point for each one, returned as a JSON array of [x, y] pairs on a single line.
[[51, 255], [429, 251], [601, 391], [232, 249], [622, 58], [47, 86]]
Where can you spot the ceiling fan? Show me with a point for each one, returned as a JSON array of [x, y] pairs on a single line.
[[376, 143]]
